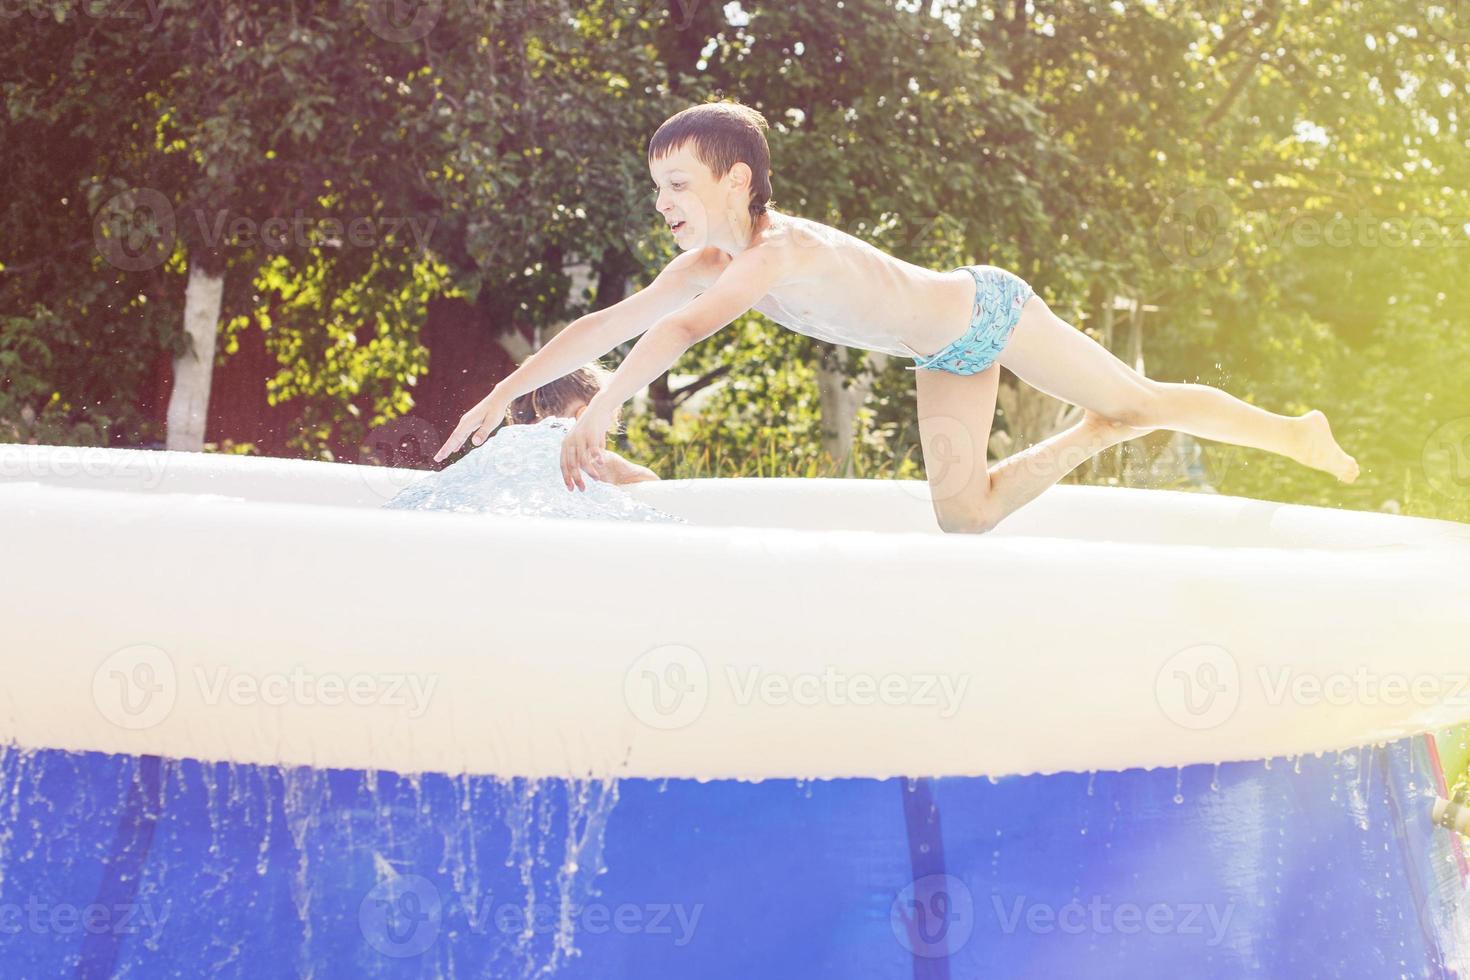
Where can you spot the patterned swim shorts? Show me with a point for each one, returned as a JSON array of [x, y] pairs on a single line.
[[999, 296]]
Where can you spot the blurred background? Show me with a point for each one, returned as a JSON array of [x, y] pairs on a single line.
[[325, 229]]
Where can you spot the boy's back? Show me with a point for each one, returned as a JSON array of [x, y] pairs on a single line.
[[839, 288]]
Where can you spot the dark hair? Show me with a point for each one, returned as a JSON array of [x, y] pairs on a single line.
[[724, 134], [555, 397]]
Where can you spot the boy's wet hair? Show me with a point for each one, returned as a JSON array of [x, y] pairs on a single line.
[[723, 134], [559, 397]]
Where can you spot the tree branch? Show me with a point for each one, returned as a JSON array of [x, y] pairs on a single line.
[[699, 383]]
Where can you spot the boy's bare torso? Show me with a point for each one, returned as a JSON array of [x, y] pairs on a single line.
[[841, 289]]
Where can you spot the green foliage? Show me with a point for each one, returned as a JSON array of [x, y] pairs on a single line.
[[1055, 140]]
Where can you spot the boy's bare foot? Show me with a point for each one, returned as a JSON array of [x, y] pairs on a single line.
[[1112, 429], [1319, 450]]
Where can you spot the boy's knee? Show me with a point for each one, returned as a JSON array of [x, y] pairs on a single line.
[[1140, 408]]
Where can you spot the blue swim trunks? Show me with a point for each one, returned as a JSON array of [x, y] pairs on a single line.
[[999, 296]]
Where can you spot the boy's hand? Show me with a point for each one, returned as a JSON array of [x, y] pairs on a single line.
[[481, 420], [582, 449]]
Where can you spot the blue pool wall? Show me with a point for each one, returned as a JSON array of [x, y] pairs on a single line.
[[123, 866]]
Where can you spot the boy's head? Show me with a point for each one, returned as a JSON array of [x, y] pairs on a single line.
[[711, 166], [565, 397]]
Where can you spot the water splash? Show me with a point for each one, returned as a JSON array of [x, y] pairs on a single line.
[[12, 765], [301, 801], [517, 473], [529, 810]]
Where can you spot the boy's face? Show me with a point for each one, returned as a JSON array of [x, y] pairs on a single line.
[[700, 209]]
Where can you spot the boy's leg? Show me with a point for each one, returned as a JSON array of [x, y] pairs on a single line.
[[955, 413], [1053, 356]]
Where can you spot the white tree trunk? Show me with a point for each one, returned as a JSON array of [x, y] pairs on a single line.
[[188, 405], [839, 400]]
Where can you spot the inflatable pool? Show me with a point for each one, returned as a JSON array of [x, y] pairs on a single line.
[[257, 725]]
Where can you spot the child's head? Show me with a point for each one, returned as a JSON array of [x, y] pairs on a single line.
[[709, 162], [564, 397]]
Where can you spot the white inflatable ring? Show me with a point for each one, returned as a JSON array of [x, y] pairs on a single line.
[[260, 610]]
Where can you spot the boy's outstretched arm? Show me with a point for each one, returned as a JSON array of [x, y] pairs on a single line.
[[751, 275], [585, 339]]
